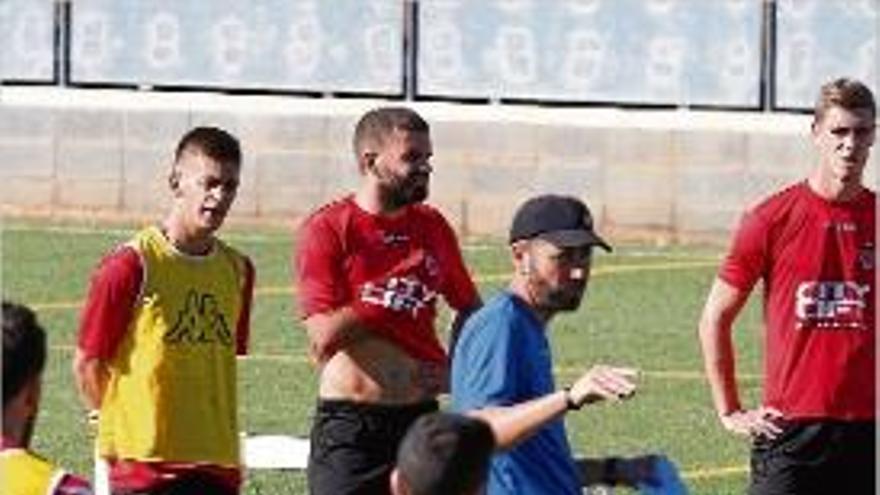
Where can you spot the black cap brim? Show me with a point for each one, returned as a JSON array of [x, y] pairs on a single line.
[[574, 238]]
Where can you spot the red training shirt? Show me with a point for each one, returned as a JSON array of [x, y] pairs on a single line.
[[816, 259], [390, 269]]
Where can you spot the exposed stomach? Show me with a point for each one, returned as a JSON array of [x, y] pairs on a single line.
[[375, 371]]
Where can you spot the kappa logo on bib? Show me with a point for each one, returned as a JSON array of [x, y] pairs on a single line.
[[199, 322]]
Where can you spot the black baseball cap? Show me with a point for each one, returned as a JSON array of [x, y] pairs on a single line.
[[564, 221]]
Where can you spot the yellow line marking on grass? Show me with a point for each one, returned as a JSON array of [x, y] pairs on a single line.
[[302, 358], [492, 277], [280, 236], [56, 306], [661, 374], [71, 230], [652, 267], [714, 472]]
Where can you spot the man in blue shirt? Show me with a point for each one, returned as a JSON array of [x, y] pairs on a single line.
[[502, 369]]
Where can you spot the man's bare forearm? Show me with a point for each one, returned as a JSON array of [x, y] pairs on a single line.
[[331, 332], [91, 376], [722, 307], [512, 424]]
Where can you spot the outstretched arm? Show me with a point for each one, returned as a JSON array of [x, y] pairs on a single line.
[[513, 424]]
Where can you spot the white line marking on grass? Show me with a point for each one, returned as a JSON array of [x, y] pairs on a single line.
[[481, 247]]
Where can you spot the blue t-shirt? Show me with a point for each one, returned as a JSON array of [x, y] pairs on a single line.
[[503, 358]]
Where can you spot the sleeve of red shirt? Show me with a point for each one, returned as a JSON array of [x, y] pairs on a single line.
[[458, 287], [114, 289], [745, 263], [318, 268], [243, 327]]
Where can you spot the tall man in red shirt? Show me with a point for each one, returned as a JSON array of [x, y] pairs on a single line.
[[370, 267], [812, 246], [165, 316]]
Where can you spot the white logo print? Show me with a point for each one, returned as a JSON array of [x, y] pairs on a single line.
[[399, 294], [831, 304]]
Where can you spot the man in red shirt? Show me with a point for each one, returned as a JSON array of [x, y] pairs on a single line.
[[370, 267], [812, 246]]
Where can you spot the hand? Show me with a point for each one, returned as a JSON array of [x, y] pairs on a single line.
[[753, 423], [603, 382]]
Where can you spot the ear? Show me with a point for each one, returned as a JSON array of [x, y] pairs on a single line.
[[398, 486], [33, 392], [814, 125], [366, 161], [27, 401], [174, 179], [521, 257]]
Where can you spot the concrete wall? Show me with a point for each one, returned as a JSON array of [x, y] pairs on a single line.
[[674, 175]]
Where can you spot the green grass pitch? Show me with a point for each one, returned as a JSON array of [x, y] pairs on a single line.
[[641, 310]]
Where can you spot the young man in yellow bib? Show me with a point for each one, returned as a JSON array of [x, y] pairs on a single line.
[[24, 355], [165, 316]]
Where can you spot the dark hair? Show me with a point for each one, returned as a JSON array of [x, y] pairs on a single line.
[[214, 142], [24, 348], [445, 454], [378, 123], [845, 93]]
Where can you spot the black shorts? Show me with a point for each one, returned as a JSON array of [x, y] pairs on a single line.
[[354, 445], [816, 457]]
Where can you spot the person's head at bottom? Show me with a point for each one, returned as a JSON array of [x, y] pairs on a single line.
[[24, 356], [443, 454]]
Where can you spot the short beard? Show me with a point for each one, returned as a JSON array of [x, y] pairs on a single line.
[[403, 193], [555, 300], [564, 301]]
